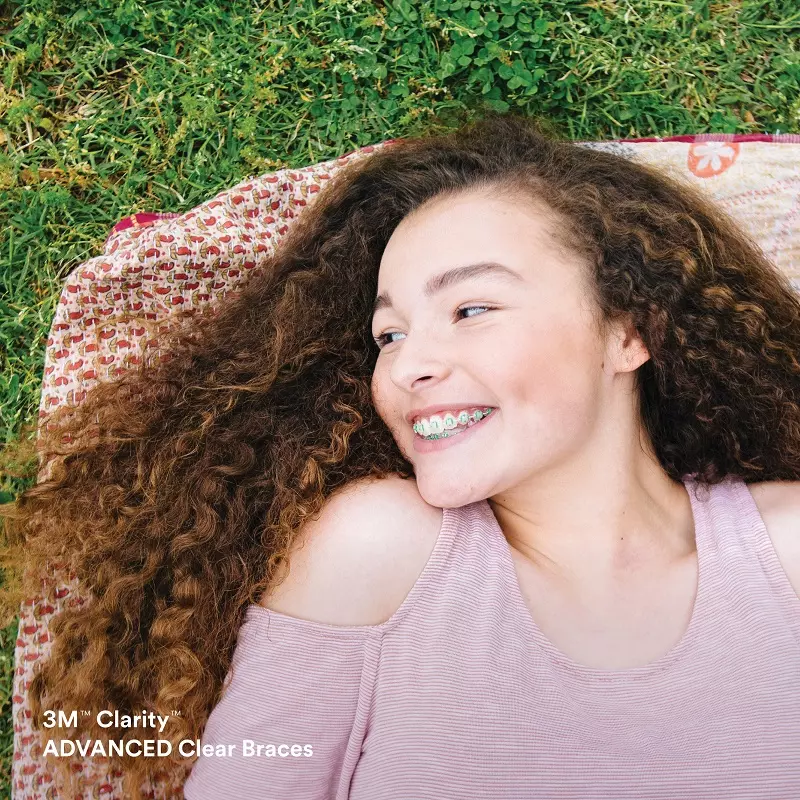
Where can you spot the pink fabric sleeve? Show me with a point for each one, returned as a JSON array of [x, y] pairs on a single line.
[[293, 690]]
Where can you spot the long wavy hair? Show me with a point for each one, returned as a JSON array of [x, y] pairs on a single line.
[[184, 482]]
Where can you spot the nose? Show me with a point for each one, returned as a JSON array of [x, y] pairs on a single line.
[[419, 359]]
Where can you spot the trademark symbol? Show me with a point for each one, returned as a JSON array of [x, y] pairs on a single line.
[[176, 713], [85, 713]]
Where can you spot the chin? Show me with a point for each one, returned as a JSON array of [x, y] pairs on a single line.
[[441, 495]]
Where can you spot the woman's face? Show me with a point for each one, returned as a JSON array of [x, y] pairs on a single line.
[[530, 349]]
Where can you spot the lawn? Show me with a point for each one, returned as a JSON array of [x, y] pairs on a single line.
[[109, 108]]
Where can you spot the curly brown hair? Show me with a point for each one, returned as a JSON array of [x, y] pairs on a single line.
[[177, 510]]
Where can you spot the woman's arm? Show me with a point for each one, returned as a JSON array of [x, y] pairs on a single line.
[[288, 724], [302, 673]]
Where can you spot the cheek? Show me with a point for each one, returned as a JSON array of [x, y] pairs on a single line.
[[557, 373], [375, 389], [384, 400], [380, 395]]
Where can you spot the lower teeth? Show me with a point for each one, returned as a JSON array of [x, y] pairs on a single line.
[[445, 435]]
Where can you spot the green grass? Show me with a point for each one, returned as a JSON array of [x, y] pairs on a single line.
[[113, 107]]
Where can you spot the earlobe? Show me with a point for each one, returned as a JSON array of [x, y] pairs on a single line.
[[639, 356], [638, 349], [633, 351]]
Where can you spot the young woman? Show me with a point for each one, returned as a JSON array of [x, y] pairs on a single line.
[[490, 489]]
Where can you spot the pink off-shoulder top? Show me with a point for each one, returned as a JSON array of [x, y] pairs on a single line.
[[460, 695]]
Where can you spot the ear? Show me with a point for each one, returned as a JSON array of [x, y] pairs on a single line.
[[628, 351]]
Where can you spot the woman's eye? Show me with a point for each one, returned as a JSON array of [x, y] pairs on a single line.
[[383, 339], [467, 308]]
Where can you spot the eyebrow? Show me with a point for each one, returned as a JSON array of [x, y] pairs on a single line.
[[445, 280]]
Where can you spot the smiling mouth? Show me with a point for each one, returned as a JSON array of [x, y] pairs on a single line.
[[475, 419]]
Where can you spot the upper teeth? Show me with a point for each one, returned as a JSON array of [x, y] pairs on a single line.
[[438, 423]]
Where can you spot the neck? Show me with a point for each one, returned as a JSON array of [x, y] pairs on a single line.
[[599, 523]]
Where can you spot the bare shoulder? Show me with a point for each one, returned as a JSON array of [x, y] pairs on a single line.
[[778, 503], [356, 561]]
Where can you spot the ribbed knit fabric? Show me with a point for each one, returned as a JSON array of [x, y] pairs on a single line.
[[459, 695]]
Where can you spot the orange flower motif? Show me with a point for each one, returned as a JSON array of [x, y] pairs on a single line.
[[707, 159]]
